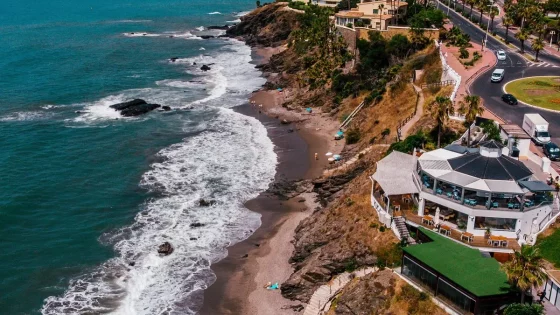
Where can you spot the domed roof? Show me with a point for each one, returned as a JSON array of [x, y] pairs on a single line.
[[496, 167]]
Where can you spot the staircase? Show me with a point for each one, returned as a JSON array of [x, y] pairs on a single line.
[[348, 119], [400, 225]]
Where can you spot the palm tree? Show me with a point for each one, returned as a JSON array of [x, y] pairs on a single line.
[[537, 46], [507, 22], [381, 7], [493, 12], [441, 107], [481, 6], [522, 36], [525, 270], [470, 107], [471, 3]]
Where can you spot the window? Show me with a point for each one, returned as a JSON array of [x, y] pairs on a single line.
[[390, 12], [422, 276], [502, 224], [375, 11], [449, 293]]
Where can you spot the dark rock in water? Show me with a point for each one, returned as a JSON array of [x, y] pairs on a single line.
[[131, 263], [125, 105], [171, 36], [207, 36], [196, 224], [139, 110], [193, 238], [173, 59], [205, 68], [206, 203], [194, 63], [165, 249], [215, 27], [166, 108], [284, 122]]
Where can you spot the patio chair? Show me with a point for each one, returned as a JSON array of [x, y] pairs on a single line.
[[449, 194], [495, 204], [439, 191]]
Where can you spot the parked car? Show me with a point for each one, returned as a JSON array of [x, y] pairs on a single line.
[[501, 55], [552, 151], [497, 75], [510, 99]]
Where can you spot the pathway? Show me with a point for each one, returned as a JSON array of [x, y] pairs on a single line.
[[419, 111], [321, 300], [354, 159]]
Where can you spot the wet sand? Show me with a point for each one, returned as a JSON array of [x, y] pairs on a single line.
[[263, 257]]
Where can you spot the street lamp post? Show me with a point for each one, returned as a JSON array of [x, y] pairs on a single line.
[[487, 28], [551, 35]]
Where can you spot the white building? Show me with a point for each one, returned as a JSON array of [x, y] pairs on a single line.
[[477, 196]]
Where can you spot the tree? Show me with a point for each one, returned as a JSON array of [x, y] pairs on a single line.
[[537, 46], [522, 35], [553, 6], [399, 46], [524, 309], [481, 4], [463, 10], [507, 22], [347, 5], [440, 109], [470, 107], [525, 270], [493, 12], [471, 3]]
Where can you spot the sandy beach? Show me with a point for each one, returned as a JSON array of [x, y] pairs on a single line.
[[263, 257]]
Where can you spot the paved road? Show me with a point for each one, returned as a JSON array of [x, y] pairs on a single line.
[[548, 59], [515, 67]]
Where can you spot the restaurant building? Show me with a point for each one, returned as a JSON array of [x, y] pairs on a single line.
[[458, 276], [475, 195]]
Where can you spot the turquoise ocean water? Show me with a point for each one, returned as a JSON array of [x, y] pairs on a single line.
[[86, 196]]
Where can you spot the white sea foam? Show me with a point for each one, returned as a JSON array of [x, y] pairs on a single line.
[[132, 21], [210, 165], [234, 21], [200, 28], [228, 158], [214, 13], [25, 116], [186, 35], [243, 13]]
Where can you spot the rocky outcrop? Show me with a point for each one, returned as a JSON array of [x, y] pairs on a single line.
[[371, 294], [165, 249], [206, 203], [134, 108], [205, 68], [269, 25]]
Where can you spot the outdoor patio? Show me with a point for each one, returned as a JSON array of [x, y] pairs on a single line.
[[450, 230]]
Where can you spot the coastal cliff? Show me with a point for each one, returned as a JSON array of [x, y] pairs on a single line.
[[343, 233], [269, 25]]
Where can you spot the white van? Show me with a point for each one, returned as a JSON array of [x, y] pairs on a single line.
[[497, 75]]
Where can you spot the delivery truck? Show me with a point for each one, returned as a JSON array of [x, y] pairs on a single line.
[[537, 128]]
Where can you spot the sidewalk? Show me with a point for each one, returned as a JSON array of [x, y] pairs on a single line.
[[468, 75]]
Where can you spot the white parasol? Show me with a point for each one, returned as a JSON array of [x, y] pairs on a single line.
[[436, 218], [329, 154]]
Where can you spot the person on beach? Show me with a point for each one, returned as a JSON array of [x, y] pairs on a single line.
[[316, 156]]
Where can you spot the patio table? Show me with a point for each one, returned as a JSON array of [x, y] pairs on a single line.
[[468, 236], [444, 229], [428, 219]]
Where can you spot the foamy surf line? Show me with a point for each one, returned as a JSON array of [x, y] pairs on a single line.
[[229, 160]]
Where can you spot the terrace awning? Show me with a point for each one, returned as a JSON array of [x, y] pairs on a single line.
[[394, 174], [535, 185]]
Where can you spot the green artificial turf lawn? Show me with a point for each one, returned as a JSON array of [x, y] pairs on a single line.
[[538, 91], [549, 248], [461, 264]]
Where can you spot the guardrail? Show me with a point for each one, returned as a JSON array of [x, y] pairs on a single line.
[[352, 114], [438, 84]]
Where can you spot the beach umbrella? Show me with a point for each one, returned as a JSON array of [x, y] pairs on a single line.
[[337, 157], [436, 218], [330, 159], [328, 154]]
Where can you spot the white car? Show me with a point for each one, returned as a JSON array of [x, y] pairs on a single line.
[[501, 55]]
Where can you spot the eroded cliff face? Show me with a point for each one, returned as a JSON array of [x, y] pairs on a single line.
[[269, 25], [340, 237]]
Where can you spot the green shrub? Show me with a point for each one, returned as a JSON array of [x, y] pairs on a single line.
[[433, 76], [353, 136], [463, 53], [373, 225], [524, 309], [350, 25], [382, 228], [351, 265]]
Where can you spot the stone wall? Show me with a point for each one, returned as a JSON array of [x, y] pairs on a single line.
[[394, 30], [349, 36]]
